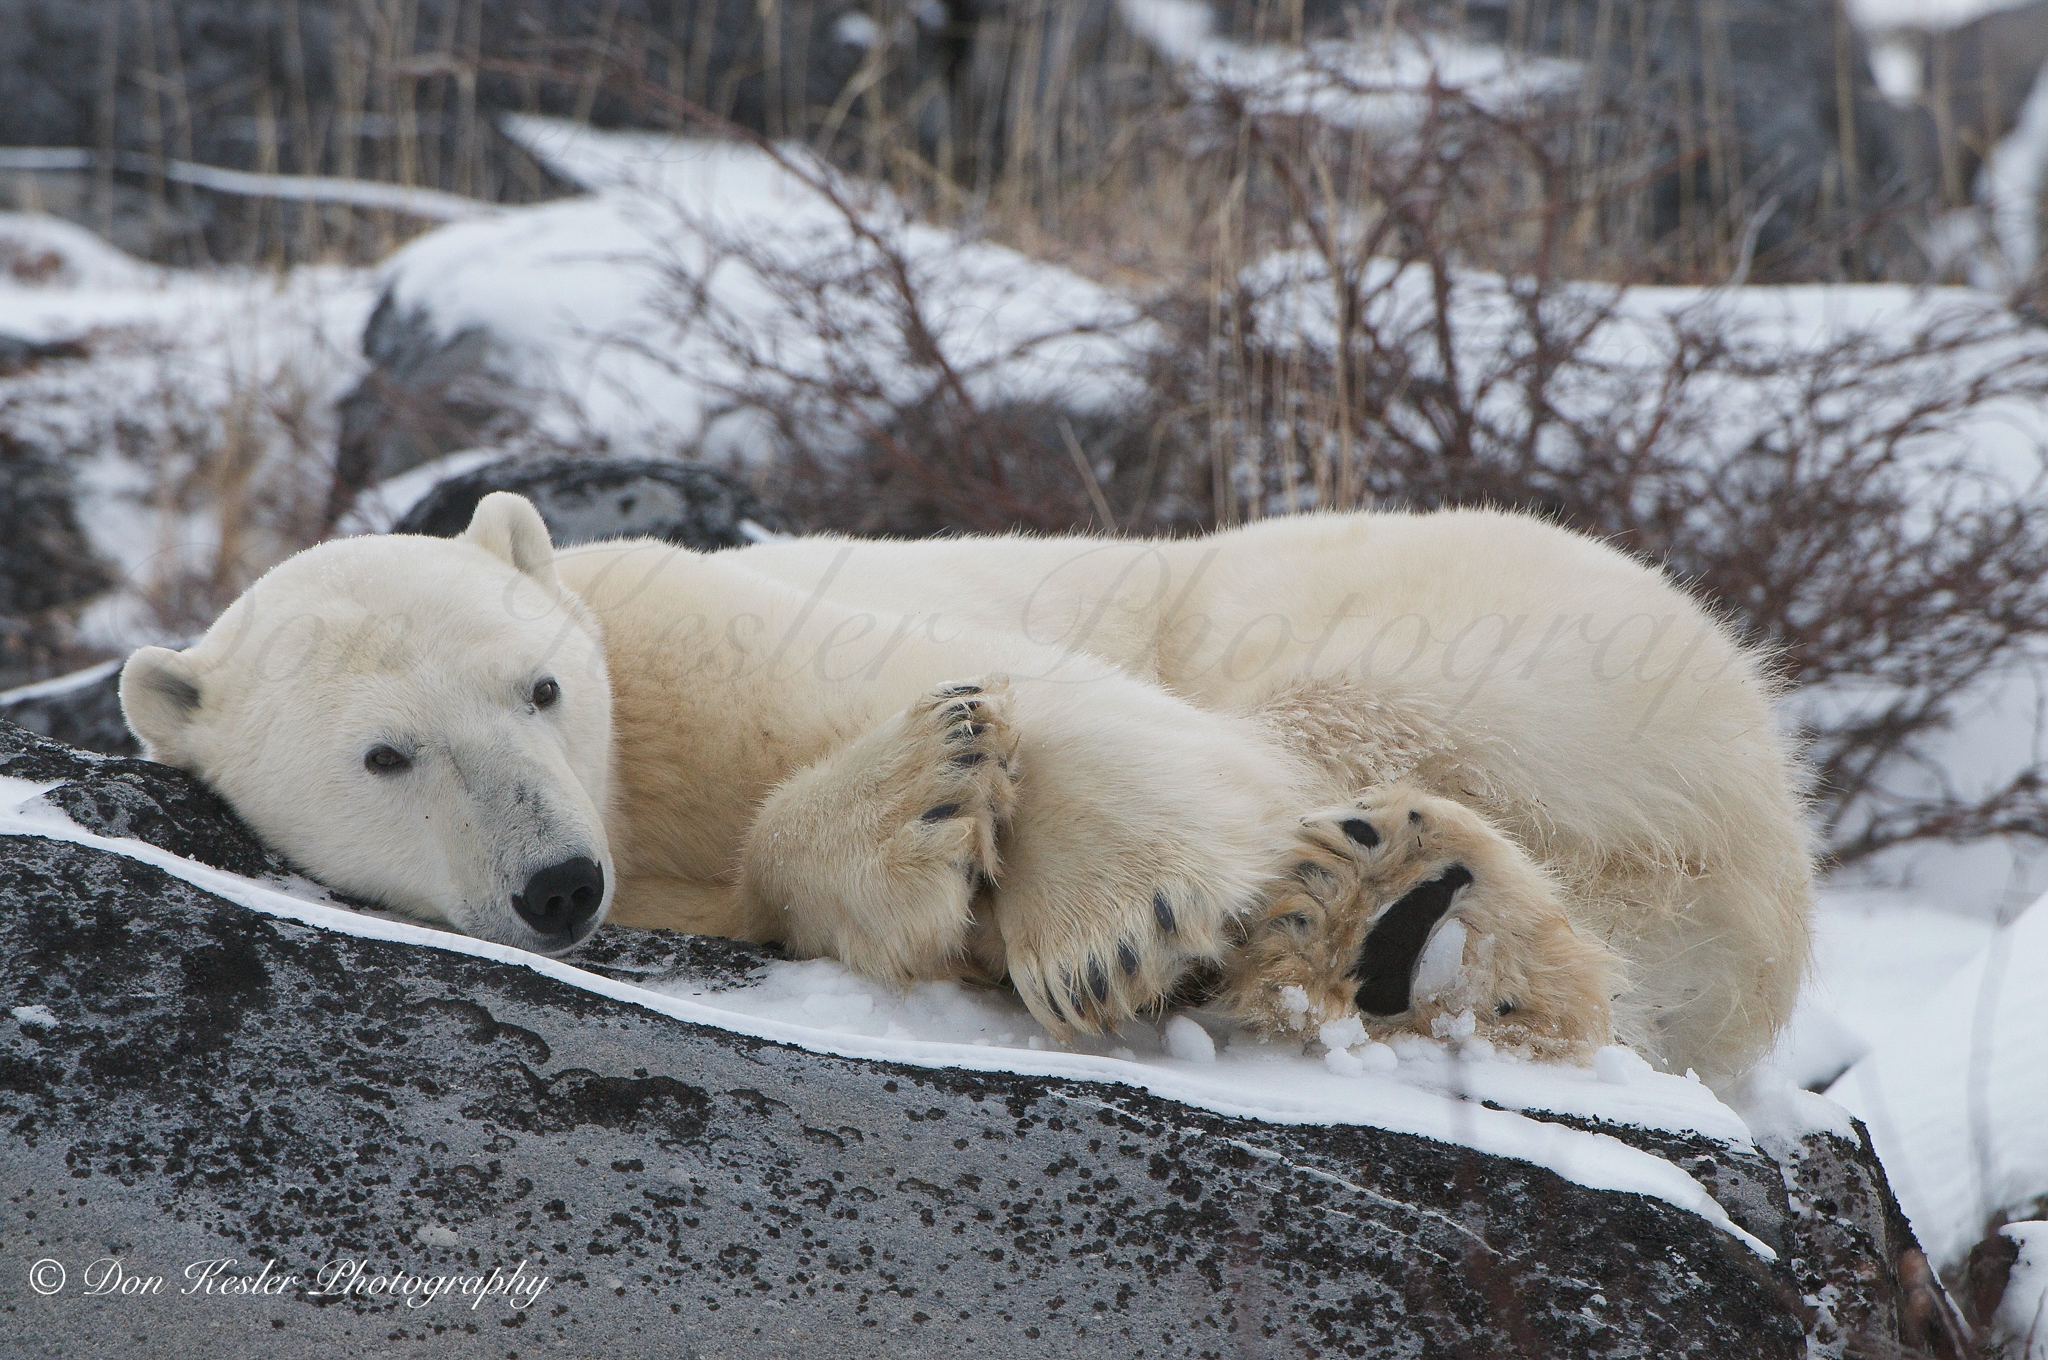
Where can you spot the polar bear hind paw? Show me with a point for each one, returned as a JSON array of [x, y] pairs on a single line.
[[1413, 914]]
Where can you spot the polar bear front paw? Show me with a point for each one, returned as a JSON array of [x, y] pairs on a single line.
[[875, 855], [1412, 913], [959, 776]]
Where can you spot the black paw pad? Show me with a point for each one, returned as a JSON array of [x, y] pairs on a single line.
[[1386, 965], [1362, 831]]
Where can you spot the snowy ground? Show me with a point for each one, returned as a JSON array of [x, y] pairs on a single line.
[[200, 428], [703, 284]]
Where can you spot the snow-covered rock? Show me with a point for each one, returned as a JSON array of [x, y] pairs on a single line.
[[82, 708], [703, 296], [586, 499], [1772, 73], [190, 435], [699, 1143]]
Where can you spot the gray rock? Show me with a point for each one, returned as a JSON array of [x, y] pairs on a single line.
[[47, 566], [186, 1080], [587, 499], [1846, 1222], [1974, 80], [81, 709], [45, 561], [1758, 78], [139, 800], [18, 353], [425, 394]]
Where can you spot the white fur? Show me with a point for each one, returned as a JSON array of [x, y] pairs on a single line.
[[748, 741]]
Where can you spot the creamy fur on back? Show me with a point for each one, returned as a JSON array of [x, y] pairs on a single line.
[[1088, 765]]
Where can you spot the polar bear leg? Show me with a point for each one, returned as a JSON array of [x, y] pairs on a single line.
[[1411, 912], [875, 854]]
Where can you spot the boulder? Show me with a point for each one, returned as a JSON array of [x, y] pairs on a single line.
[[82, 709], [1974, 79], [1760, 81], [586, 499], [397, 1142], [47, 565], [426, 394]]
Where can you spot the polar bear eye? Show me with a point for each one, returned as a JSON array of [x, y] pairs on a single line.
[[546, 692], [385, 760]]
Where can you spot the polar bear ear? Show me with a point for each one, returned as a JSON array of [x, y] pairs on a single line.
[[159, 696], [508, 527]]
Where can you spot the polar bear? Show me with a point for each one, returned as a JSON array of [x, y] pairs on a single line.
[[1463, 769]]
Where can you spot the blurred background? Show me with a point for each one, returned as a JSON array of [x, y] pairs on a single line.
[[1752, 288]]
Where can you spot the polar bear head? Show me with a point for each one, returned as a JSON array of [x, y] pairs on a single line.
[[422, 722]]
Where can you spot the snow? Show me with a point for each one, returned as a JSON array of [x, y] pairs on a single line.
[[379, 507], [705, 284], [1432, 1090], [1931, 14], [1384, 85], [2010, 183], [1997, 735], [38, 1017], [60, 684], [1187, 1041], [195, 380], [2019, 1330], [1957, 1099], [1879, 957], [1618, 1066]]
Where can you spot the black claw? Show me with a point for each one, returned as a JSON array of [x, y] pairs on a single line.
[[1127, 957], [966, 731], [1414, 815], [1504, 1008], [1163, 909], [1362, 831], [1074, 1000], [983, 883], [1052, 1000], [951, 690], [940, 813], [1098, 982], [970, 759]]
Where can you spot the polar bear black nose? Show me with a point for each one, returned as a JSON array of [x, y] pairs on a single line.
[[561, 897]]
